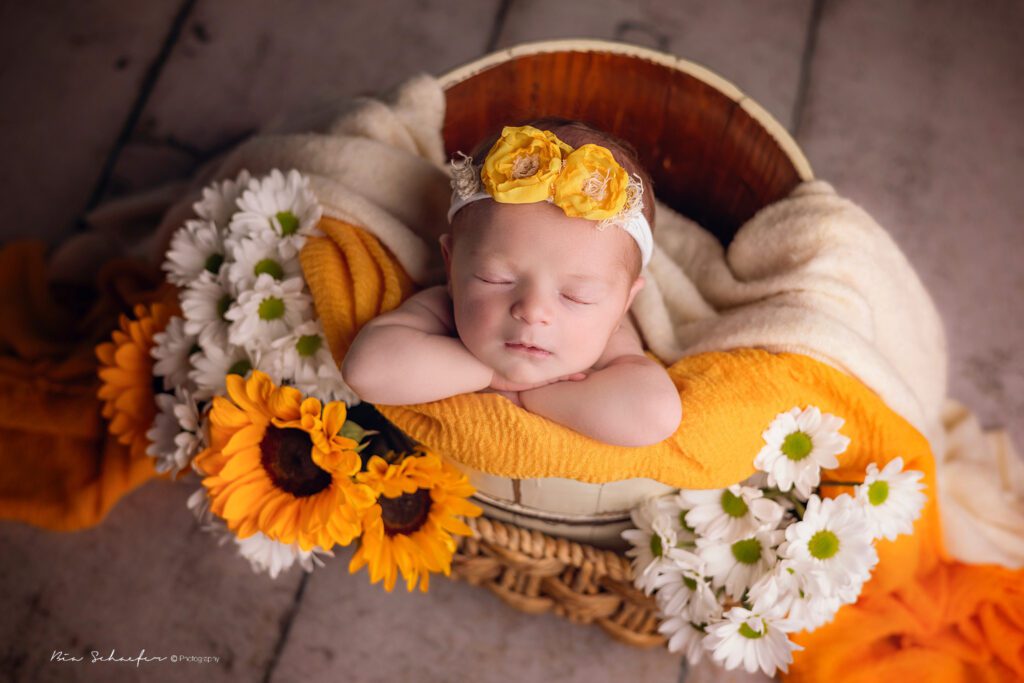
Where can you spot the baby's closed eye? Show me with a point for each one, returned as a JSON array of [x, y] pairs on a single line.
[[580, 298]]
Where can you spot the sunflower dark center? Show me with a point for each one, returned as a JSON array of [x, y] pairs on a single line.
[[406, 513], [287, 456]]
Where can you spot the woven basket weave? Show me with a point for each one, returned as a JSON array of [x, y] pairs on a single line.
[[538, 573]]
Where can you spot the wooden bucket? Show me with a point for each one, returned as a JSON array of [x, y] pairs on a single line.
[[714, 154]]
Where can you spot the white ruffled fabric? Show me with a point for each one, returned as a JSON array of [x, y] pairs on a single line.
[[981, 491], [811, 274]]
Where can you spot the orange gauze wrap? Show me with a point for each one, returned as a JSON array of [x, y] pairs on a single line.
[[59, 467], [921, 615]]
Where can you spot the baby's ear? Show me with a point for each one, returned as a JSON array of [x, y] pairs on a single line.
[[446, 252], [638, 284]]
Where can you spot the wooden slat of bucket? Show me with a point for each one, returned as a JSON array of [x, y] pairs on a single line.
[[709, 157]]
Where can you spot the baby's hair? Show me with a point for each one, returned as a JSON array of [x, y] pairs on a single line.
[[576, 134]]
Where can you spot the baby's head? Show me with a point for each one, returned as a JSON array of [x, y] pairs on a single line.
[[527, 274]]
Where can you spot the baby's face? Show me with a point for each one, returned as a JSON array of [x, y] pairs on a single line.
[[537, 294]]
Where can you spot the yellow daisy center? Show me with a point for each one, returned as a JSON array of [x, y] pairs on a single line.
[[270, 267], [878, 492], [748, 632], [733, 505], [287, 456], [797, 446], [823, 545], [288, 221], [406, 513], [747, 551]]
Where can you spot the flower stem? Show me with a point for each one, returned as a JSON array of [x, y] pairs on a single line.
[[840, 483]]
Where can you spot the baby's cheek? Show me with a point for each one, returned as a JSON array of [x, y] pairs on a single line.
[[584, 348]]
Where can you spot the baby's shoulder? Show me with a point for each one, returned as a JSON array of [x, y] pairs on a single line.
[[432, 304], [625, 341]]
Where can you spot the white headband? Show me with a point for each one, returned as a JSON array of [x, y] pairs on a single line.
[[636, 226]]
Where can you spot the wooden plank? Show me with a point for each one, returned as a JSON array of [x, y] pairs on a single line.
[[351, 630], [240, 63], [146, 578], [71, 73], [756, 45], [914, 111]]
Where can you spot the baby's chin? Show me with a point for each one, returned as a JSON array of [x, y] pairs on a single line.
[[525, 372]]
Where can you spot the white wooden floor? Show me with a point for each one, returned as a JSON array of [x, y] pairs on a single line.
[[911, 108]]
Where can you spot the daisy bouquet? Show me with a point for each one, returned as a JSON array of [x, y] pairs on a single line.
[[735, 570], [235, 381]]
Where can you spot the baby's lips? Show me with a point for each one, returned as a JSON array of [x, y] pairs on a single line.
[[512, 344]]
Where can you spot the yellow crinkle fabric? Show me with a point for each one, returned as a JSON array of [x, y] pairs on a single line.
[[353, 279]]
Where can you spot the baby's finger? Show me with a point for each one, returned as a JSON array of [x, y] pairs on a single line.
[[576, 376]]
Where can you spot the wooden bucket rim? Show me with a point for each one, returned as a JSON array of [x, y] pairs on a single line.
[[785, 141]]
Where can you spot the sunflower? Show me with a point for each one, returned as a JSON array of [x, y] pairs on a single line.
[[276, 464], [126, 376], [409, 529]]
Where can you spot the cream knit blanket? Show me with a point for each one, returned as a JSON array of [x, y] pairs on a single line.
[[811, 274]]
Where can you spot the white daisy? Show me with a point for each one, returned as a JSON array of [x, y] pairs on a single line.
[[655, 534], [677, 506], [213, 364], [283, 207], [751, 640], [173, 436], [219, 200], [171, 350], [832, 543], [787, 592], [797, 445], [303, 360], [757, 480], [684, 636], [735, 565], [199, 504], [195, 248], [253, 256], [268, 311], [682, 590], [731, 514], [891, 499], [267, 555], [205, 302]]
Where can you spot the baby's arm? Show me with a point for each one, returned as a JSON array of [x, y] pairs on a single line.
[[409, 355], [626, 400]]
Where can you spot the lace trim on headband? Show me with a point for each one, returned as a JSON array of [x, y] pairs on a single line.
[[465, 177], [633, 207]]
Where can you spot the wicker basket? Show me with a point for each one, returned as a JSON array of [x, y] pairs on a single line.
[[716, 157], [538, 573]]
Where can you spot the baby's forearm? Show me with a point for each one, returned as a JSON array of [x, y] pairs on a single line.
[[629, 403], [397, 365]]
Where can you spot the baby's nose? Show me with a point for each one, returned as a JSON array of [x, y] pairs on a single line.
[[532, 309]]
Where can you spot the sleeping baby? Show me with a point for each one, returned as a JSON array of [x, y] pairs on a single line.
[[548, 239]]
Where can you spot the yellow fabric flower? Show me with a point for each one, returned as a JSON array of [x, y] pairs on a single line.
[[410, 529], [126, 376], [591, 185], [523, 164], [277, 464]]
